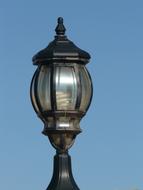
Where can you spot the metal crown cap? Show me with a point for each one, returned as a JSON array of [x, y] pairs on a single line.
[[61, 49]]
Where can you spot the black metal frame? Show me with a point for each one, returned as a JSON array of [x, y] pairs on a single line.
[[79, 91]]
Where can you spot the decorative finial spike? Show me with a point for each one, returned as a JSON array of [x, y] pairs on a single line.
[[60, 29]]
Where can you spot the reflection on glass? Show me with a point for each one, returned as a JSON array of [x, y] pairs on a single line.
[[43, 88], [86, 88], [63, 122], [66, 88]]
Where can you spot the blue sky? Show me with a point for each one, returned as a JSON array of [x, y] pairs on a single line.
[[108, 155]]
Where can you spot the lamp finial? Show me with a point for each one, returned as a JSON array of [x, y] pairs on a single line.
[[60, 29]]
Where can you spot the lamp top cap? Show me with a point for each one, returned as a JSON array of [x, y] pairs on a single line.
[[61, 49], [60, 29]]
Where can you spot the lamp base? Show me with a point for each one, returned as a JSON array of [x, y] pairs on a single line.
[[62, 175]]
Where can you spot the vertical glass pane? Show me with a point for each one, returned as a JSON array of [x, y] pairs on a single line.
[[86, 88], [43, 88], [66, 88], [33, 94], [63, 122]]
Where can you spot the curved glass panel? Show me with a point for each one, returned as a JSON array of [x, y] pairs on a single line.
[[66, 88], [43, 88], [34, 103], [86, 87], [63, 123]]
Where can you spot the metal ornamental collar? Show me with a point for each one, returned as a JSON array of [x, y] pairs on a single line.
[[61, 49]]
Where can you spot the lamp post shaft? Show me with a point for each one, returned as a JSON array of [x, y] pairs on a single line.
[[62, 174]]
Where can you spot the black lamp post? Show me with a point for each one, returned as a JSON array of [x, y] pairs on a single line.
[[61, 92]]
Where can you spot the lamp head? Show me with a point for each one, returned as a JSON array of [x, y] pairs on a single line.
[[61, 88]]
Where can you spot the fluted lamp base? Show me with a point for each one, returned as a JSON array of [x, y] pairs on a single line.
[[62, 175]]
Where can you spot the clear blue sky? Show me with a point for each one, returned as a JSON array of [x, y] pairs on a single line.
[[108, 155]]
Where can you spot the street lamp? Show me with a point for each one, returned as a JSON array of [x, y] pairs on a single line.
[[61, 92]]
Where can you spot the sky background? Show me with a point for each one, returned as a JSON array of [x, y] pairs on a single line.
[[108, 155]]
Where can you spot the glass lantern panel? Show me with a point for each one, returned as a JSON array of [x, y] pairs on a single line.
[[32, 91], [86, 87], [43, 88], [66, 88], [63, 122], [51, 122]]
